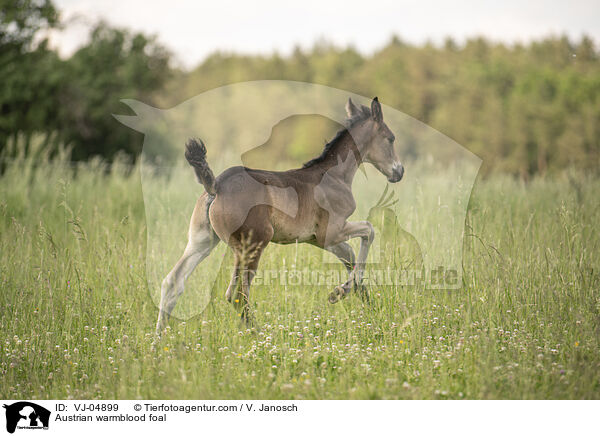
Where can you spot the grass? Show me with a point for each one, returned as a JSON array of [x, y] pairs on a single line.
[[77, 315]]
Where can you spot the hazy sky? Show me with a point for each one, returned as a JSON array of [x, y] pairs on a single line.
[[194, 29]]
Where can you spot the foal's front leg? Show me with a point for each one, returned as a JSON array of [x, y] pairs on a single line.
[[365, 231], [345, 254]]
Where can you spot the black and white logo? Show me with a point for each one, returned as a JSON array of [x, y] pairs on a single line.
[[26, 415]]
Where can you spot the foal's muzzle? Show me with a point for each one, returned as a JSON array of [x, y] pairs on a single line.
[[397, 173]]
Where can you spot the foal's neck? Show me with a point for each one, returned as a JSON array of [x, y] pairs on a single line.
[[343, 158]]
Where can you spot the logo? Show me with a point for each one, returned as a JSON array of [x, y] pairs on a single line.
[[26, 415]]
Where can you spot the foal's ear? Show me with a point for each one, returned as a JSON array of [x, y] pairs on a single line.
[[376, 110], [351, 109]]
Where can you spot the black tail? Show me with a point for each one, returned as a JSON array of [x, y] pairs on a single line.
[[195, 153]]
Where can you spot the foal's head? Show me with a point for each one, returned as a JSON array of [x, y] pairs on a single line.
[[374, 139]]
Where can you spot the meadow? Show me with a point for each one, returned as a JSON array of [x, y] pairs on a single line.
[[77, 318]]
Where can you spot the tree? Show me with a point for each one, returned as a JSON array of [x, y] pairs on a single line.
[[116, 64], [73, 101], [27, 68], [20, 20]]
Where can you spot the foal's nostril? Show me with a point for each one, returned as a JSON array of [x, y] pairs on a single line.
[[397, 173]]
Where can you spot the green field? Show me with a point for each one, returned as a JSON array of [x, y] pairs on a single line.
[[77, 318]]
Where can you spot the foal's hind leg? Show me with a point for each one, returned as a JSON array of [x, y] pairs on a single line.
[[173, 285], [202, 239], [248, 245], [248, 271]]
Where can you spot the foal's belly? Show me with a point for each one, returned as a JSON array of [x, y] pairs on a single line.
[[284, 235], [287, 230]]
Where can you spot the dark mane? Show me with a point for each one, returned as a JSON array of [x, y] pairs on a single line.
[[362, 114]]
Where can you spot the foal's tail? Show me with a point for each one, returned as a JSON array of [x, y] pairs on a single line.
[[195, 153]]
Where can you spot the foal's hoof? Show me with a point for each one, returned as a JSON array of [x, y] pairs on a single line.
[[337, 294], [334, 297]]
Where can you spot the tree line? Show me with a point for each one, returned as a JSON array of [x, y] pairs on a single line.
[[70, 102], [524, 108]]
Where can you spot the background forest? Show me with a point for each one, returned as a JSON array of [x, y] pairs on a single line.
[[524, 109]]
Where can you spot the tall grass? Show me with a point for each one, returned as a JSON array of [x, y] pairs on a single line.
[[77, 316]]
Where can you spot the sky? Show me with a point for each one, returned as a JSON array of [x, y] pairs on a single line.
[[194, 29]]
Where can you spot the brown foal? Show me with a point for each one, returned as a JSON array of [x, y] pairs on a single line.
[[248, 208]]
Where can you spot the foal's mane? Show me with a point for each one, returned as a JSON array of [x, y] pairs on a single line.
[[362, 114]]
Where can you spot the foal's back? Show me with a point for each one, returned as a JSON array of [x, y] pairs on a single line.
[[272, 206]]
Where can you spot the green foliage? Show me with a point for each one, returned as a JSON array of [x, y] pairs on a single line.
[[29, 74], [72, 101], [523, 109], [114, 65], [28, 92], [20, 20]]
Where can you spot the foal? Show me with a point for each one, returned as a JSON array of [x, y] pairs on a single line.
[[248, 208]]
